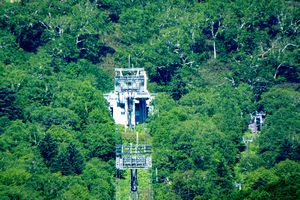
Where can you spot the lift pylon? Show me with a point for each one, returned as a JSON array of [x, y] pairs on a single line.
[[129, 104], [133, 157]]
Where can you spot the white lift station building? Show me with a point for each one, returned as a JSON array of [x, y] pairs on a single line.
[[130, 101]]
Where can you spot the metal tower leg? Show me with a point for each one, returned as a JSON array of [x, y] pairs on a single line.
[[134, 195], [130, 111]]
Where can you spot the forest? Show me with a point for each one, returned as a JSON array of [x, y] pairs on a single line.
[[212, 63]]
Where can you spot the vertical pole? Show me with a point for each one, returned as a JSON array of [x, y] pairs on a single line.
[[118, 196], [130, 108], [133, 112], [134, 195]]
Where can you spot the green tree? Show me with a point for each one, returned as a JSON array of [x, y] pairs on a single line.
[[278, 140], [272, 183], [48, 149], [7, 104], [69, 162], [98, 177], [56, 116]]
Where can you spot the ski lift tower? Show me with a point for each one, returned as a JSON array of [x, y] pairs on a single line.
[[133, 157], [129, 105]]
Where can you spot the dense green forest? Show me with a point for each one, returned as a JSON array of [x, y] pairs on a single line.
[[212, 63]]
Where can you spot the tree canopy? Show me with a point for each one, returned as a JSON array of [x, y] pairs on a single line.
[[212, 63]]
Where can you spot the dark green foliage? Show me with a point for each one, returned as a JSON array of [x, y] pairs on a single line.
[[4, 122], [92, 49], [289, 150], [8, 107], [100, 141], [198, 138], [69, 162], [97, 175], [55, 88], [278, 140], [75, 158], [279, 182], [214, 61], [30, 37], [56, 116], [48, 149]]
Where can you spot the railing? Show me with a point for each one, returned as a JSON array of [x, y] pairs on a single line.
[[133, 157]]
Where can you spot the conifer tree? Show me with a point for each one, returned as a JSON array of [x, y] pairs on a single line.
[[48, 149], [75, 159]]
